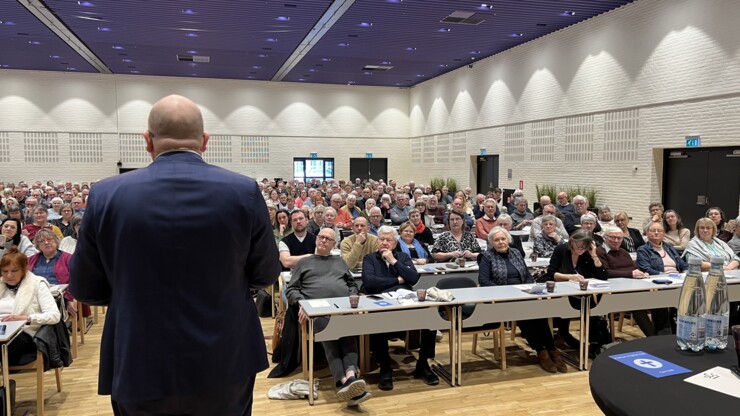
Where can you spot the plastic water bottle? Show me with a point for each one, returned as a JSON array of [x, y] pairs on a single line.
[[691, 309], [718, 307]]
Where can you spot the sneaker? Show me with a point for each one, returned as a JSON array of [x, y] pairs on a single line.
[[351, 388], [355, 401]]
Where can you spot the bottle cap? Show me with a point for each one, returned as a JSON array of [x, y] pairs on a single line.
[[716, 260], [695, 261]]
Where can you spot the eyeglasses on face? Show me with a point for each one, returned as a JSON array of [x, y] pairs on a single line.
[[324, 238]]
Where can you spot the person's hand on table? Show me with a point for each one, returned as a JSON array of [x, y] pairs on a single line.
[[638, 274], [8, 318], [576, 277]]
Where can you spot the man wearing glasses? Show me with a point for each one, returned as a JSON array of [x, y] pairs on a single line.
[[387, 271]]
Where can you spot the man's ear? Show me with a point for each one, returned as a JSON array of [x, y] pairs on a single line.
[[205, 142], [149, 143]]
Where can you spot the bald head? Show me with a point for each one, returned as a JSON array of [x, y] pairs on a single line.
[[175, 122]]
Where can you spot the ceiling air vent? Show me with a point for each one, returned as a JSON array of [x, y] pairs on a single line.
[[194, 58], [464, 18], [377, 67]]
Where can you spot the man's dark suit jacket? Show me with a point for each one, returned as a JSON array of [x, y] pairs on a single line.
[[174, 250]]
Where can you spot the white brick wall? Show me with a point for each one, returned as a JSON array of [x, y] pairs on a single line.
[[335, 121], [675, 62]]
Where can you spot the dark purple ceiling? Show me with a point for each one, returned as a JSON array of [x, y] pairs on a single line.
[[252, 39]]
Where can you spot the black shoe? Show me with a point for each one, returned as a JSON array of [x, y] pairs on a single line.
[[386, 381], [353, 387], [355, 401], [426, 375]]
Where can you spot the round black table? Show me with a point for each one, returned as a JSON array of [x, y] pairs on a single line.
[[619, 389]]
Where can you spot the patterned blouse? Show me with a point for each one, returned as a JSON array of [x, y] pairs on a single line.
[[446, 243]]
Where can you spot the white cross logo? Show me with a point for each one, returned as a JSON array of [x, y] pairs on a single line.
[[647, 363]]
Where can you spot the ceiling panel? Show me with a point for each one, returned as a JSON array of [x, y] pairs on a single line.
[[253, 39], [26, 43]]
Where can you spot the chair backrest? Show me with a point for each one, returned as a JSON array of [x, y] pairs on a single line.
[[455, 283]]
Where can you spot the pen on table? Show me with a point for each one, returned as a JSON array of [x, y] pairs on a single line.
[[336, 306]]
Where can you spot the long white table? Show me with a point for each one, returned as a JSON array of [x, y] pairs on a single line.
[[493, 304], [367, 318]]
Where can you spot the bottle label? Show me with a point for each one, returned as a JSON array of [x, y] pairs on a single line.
[[688, 327], [717, 325]]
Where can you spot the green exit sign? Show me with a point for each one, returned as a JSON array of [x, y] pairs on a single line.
[[693, 141]]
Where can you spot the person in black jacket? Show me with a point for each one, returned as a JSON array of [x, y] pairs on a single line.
[[386, 271], [575, 261]]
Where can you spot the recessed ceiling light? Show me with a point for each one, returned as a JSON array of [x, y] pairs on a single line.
[[256, 67], [516, 35], [262, 55], [444, 30], [54, 56], [365, 24], [486, 6], [125, 60], [394, 1], [343, 44], [474, 52], [250, 77], [191, 35], [71, 68], [5, 66], [104, 29], [135, 72], [367, 73], [301, 79], [7, 23], [410, 49], [188, 11], [386, 62], [326, 59], [34, 42], [192, 52], [271, 40], [85, 4], [443, 65], [282, 18], [312, 70], [568, 13], [118, 47], [420, 75]]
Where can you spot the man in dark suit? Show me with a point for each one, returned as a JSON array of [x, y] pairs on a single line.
[[174, 249]]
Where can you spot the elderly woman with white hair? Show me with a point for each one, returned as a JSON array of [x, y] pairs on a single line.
[[55, 212], [501, 266], [546, 241], [504, 221], [385, 206]]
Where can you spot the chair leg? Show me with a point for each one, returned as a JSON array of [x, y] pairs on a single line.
[[496, 345], [611, 326], [621, 321], [58, 373], [39, 384], [502, 345], [475, 344], [513, 330]]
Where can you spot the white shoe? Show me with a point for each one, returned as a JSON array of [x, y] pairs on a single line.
[[439, 336]]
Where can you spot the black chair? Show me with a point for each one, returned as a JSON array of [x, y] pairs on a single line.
[[499, 338]]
